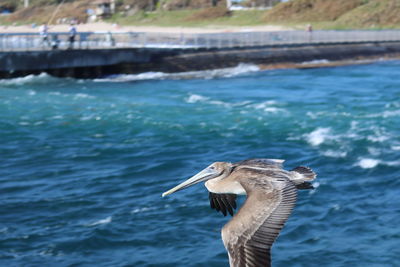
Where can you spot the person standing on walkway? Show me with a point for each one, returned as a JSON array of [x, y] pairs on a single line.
[[44, 33], [309, 31], [72, 35], [110, 39]]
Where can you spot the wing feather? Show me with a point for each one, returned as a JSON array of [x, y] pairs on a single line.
[[261, 163], [223, 202], [251, 233]]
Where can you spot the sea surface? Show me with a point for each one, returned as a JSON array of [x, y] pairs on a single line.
[[83, 164]]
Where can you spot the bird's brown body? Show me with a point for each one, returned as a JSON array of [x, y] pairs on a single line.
[[271, 195]]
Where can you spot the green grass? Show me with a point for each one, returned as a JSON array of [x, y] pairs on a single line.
[[240, 18], [181, 19], [3, 21]]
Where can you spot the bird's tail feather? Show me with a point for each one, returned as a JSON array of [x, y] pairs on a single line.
[[305, 185], [302, 176]]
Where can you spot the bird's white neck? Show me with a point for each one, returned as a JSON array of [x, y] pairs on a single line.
[[219, 186]]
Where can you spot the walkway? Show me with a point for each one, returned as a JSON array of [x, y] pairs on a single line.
[[107, 40]]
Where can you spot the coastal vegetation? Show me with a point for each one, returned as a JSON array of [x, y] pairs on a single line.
[[338, 14], [322, 14]]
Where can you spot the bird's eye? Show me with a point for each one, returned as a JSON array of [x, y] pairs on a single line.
[[212, 168]]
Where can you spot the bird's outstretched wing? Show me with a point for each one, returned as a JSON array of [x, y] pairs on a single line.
[[261, 163], [223, 202], [249, 236]]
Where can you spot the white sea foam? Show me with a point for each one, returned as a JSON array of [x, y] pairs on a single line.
[[196, 98], [86, 118], [206, 74], [385, 114], [220, 103], [273, 110], [102, 221], [265, 104], [268, 107], [90, 117], [354, 125], [134, 77], [144, 209], [318, 136], [392, 163], [41, 78], [82, 96], [312, 115], [395, 147], [391, 113], [240, 69], [217, 73], [335, 153], [368, 163], [379, 135], [57, 117]]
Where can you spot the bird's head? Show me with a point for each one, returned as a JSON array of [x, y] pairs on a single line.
[[217, 170]]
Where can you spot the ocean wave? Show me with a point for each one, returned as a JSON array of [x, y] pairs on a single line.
[[101, 221], [391, 113], [146, 209], [133, 77], [369, 163], [90, 117], [335, 153], [195, 98], [203, 74], [42, 78], [318, 136], [344, 139], [82, 96], [385, 114], [395, 147], [392, 163], [378, 138], [269, 106]]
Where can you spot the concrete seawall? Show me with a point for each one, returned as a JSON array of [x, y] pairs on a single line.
[[99, 62], [80, 63]]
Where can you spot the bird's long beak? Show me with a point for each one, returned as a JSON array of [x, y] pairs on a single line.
[[204, 175]]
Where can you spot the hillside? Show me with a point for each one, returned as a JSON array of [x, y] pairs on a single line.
[[42, 11], [322, 14], [338, 13]]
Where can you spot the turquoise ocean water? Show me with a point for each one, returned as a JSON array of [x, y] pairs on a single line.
[[84, 162]]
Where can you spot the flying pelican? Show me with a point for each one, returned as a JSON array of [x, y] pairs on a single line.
[[271, 195]]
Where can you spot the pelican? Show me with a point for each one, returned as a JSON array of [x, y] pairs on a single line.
[[271, 195]]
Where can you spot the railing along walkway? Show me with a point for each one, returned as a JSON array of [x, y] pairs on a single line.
[[90, 40]]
